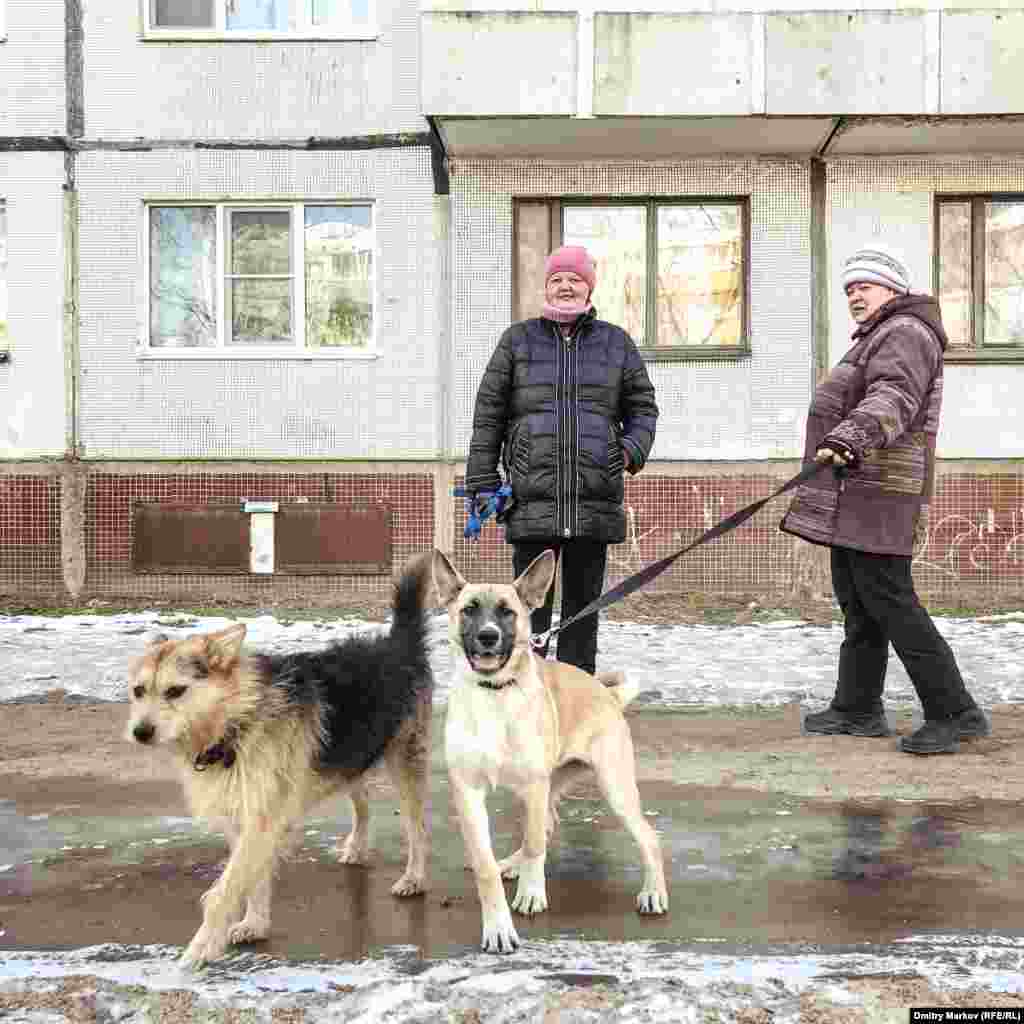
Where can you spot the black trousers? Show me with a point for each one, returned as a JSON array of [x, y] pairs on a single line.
[[581, 566], [880, 606]]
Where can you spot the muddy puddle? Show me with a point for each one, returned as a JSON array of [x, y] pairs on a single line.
[[744, 868]]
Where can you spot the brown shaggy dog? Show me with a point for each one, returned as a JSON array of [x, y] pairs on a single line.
[[261, 739]]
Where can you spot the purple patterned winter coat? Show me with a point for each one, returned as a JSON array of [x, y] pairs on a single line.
[[882, 403]]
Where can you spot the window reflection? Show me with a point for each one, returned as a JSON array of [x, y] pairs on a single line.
[[616, 237]]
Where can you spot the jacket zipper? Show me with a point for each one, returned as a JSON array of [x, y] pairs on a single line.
[[567, 492], [572, 363]]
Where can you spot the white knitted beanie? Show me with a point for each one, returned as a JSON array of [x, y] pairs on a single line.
[[877, 264]]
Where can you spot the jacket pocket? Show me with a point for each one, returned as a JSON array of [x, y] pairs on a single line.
[[616, 460], [899, 468], [519, 455]]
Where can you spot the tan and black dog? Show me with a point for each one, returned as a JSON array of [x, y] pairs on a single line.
[[535, 726], [260, 739]]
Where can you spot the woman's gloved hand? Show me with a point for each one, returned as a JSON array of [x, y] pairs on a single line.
[[825, 454], [837, 452]]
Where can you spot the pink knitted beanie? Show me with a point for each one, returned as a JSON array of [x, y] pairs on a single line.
[[574, 259]]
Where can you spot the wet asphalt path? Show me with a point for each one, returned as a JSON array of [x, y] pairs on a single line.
[[123, 864]]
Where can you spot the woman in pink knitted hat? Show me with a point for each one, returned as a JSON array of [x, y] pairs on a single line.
[[565, 408]]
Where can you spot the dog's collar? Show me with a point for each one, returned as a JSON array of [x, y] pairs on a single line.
[[223, 751], [488, 685]]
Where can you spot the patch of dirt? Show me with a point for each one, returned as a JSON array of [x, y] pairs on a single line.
[[887, 1000], [73, 996], [78, 744], [766, 751], [580, 1004]]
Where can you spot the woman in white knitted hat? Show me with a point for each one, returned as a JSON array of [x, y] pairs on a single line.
[[875, 418]]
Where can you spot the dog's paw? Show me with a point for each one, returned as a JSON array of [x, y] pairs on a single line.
[[650, 901], [248, 931], [500, 935], [409, 885], [353, 852], [509, 867], [530, 899], [206, 946], [531, 893]]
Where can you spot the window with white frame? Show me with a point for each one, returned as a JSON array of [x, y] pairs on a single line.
[[330, 19], [979, 272], [244, 278]]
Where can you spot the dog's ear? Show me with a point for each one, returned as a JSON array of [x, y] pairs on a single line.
[[532, 586], [447, 580], [225, 645]]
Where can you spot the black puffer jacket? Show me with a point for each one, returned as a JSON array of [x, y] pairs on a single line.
[[558, 414]]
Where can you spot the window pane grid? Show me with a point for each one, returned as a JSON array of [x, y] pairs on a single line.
[[271, 17], [672, 273], [1004, 273], [980, 271], [616, 237], [956, 296], [700, 275], [339, 276], [182, 282], [263, 302], [259, 285]]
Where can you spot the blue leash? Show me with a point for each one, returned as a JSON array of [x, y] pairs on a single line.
[[477, 513]]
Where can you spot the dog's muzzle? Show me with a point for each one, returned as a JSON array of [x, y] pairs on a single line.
[[487, 649]]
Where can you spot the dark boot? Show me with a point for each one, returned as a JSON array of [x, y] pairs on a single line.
[[831, 722], [972, 723], [936, 736]]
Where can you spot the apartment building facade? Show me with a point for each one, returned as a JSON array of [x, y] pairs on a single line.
[[256, 254]]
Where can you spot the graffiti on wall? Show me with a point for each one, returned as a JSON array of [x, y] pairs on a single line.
[[959, 545]]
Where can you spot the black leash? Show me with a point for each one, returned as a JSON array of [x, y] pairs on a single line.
[[645, 575]]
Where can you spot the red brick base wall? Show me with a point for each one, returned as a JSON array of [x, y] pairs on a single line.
[[974, 552], [111, 498], [30, 533]]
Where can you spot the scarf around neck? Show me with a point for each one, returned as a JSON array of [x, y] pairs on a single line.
[[561, 315]]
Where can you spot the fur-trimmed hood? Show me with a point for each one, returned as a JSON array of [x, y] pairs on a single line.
[[922, 307]]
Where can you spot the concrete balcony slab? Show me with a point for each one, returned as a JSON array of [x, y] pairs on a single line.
[[498, 63], [848, 62], [671, 64]]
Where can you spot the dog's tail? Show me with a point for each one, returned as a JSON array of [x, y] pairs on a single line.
[[618, 686], [408, 605]]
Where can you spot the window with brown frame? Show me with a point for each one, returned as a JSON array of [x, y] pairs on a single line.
[[674, 273], [979, 274]]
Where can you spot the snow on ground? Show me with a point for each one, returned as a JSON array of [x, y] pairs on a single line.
[[646, 982], [675, 665]]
